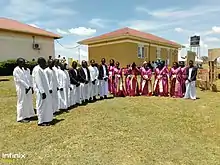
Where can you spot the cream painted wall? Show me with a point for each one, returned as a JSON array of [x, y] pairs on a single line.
[[14, 45]]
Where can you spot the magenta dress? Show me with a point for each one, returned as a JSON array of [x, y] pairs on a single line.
[[119, 83], [183, 80], [127, 73], [134, 86], [161, 81], [146, 83], [111, 81], [175, 83]]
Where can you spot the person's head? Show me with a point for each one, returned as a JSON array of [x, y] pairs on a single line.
[[96, 65], [50, 63], [159, 65], [65, 66], [175, 65], [42, 62], [145, 63], [181, 64], [152, 62], [56, 62], [103, 61], [62, 66], [163, 63], [112, 62], [50, 57], [92, 63], [133, 65], [20, 62], [58, 56], [74, 64], [84, 64], [117, 64], [190, 63]]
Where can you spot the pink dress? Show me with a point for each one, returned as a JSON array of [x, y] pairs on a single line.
[[127, 73], [175, 84], [161, 81], [111, 79], [134, 87], [146, 83], [119, 83]]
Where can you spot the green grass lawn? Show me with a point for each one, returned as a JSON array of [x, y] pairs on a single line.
[[120, 131]]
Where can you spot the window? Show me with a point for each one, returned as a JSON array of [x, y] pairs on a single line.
[[140, 51], [158, 53]]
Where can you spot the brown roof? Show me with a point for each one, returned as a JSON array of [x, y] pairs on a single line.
[[13, 25], [130, 32]]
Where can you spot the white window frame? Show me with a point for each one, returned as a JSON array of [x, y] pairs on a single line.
[[158, 52], [141, 51]]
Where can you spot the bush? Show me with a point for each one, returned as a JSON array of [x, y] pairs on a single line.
[[7, 67]]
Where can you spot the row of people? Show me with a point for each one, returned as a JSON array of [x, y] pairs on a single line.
[[179, 81]]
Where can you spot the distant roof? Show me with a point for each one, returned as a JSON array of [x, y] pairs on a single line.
[[129, 32], [13, 25]]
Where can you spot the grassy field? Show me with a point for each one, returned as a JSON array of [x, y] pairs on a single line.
[[120, 131]]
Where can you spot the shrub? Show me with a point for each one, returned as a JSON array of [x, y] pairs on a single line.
[[7, 67]]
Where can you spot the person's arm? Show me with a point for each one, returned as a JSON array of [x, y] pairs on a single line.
[[17, 79], [72, 79]]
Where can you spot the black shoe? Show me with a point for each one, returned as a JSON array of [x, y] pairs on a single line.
[[24, 121], [43, 124], [90, 99], [105, 97], [94, 98], [101, 98], [86, 100]]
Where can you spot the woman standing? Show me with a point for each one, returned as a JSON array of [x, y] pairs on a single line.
[[127, 79], [183, 77], [111, 69], [146, 83], [161, 80], [119, 85], [134, 90], [175, 81]]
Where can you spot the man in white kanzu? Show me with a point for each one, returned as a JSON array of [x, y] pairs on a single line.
[[43, 95], [55, 70], [97, 86], [53, 85], [103, 79], [92, 83], [84, 78], [191, 73], [22, 89], [29, 95]]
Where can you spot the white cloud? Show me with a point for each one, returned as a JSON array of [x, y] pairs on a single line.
[[178, 13], [216, 29], [62, 32], [178, 29], [97, 22], [82, 31], [212, 39]]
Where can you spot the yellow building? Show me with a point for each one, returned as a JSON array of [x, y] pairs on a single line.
[[128, 45], [21, 40]]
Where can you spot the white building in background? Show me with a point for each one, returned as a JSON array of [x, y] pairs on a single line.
[[22, 40]]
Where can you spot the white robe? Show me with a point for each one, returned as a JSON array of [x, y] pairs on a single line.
[[63, 95], [44, 106], [93, 76], [29, 95], [21, 85], [55, 91], [77, 96], [52, 81], [85, 88], [69, 86], [104, 84], [190, 88], [97, 88]]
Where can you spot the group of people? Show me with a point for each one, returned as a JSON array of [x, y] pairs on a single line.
[[58, 87]]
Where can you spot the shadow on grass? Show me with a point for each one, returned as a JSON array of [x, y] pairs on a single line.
[[55, 121], [34, 118], [4, 79]]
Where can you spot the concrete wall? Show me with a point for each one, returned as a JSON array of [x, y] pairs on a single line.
[[126, 53], [14, 45]]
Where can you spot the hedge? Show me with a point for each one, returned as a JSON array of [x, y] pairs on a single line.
[[7, 67]]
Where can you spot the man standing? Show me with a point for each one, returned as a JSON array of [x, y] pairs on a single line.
[[97, 89], [75, 84], [103, 77], [191, 73], [53, 85], [29, 96], [84, 78], [92, 83], [43, 95], [22, 89]]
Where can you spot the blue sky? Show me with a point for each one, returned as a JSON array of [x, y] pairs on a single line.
[[79, 19]]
